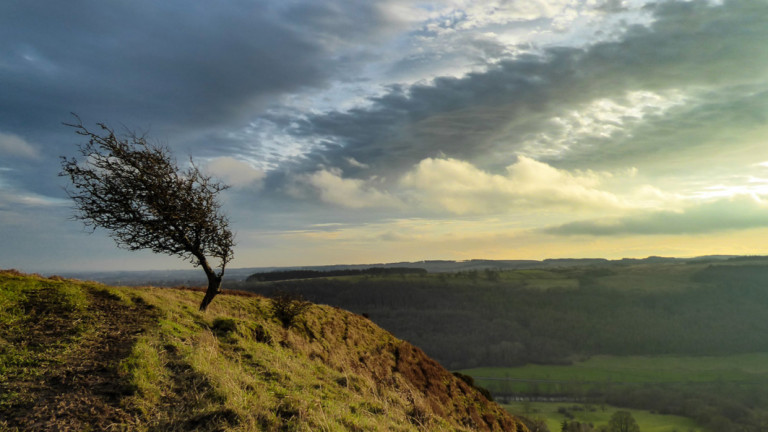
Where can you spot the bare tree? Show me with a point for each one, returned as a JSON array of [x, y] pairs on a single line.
[[137, 191]]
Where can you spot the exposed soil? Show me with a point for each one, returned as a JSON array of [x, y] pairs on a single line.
[[80, 388], [180, 408]]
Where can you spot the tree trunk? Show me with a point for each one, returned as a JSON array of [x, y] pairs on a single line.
[[214, 287]]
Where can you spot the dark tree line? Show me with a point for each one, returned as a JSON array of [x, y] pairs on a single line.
[[282, 275]]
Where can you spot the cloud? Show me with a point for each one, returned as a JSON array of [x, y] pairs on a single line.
[[346, 192], [235, 172], [738, 213], [462, 188], [615, 97], [613, 6], [354, 163], [439, 185], [15, 199], [14, 145], [188, 73], [522, 111], [172, 65]]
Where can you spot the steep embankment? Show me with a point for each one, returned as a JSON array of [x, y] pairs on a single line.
[[80, 356]]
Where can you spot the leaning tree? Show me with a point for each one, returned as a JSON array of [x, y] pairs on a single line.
[[137, 191]]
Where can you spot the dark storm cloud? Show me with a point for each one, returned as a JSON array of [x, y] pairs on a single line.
[[452, 116], [180, 70], [612, 6], [689, 45], [171, 63], [698, 134], [718, 216]]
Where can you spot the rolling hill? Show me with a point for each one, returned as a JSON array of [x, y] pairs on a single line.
[[84, 356], [680, 337], [558, 315]]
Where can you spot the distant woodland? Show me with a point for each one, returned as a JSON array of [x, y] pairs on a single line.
[[492, 318], [281, 275]]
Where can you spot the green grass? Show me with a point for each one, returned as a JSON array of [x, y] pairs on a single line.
[[599, 415], [268, 376], [41, 319], [632, 373], [56, 302], [640, 369], [602, 372]]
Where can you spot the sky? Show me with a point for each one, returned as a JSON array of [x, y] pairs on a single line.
[[359, 132]]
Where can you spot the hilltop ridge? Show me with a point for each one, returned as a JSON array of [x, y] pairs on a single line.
[[83, 355], [236, 275]]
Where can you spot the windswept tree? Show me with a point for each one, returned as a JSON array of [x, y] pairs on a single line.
[[137, 192]]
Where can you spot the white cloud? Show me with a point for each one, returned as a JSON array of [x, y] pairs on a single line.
[[348, 192], [13, 198], [462, 188], [15, 145], [467, 15], [235, 172], [357, 164], [599, 119]]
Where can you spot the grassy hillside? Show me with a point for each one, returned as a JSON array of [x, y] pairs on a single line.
[[84, 356]]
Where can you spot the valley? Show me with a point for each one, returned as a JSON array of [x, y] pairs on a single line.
[[682, 337]]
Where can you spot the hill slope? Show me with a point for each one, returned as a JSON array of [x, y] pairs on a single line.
[[82, 356], [515, 317]]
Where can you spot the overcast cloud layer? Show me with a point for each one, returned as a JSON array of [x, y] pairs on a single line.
[[398, 130]]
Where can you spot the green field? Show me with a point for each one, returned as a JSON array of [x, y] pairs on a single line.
[[637, 369], [599, 415], [604, 372], [604, 377]]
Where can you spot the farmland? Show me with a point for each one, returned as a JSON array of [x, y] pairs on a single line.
[[630, 370], [554, 413]]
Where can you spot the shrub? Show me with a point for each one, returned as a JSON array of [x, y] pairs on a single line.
[[288, 307], [223, 326]]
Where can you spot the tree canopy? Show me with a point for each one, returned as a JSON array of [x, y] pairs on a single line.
[[622, 421]]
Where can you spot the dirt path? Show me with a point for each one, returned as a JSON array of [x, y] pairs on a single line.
[[81, 388]]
